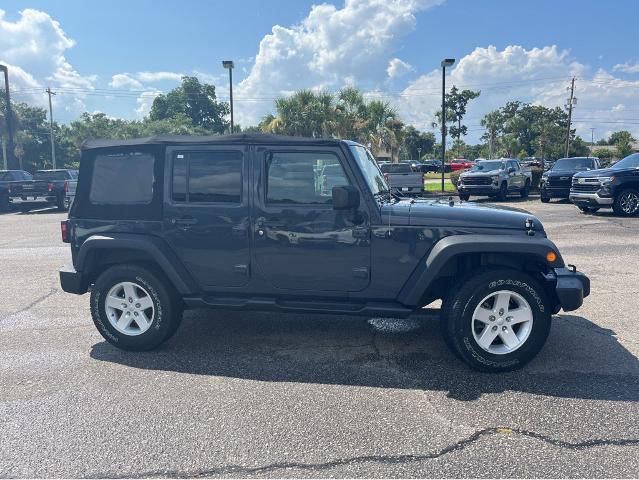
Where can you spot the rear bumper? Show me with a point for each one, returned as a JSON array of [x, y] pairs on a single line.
[[419, 189], [590, 199], [571, 289], [30, 199], [72, 281]]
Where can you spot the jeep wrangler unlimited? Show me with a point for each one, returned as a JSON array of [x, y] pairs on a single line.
[[245, 222]]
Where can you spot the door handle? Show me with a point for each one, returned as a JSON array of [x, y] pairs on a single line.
[[184, 221]]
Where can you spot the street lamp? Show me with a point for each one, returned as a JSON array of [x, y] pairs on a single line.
[[447, 62], [8, 119], [228, 64]]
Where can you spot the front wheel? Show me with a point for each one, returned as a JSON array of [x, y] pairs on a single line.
[[503, 192], [524, 192], [134, 308], [496, 320], [465, 197], [626, 203], [545, 199]]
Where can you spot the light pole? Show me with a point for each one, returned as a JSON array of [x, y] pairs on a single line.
[[228, 64], [447, 62], [10, 160]]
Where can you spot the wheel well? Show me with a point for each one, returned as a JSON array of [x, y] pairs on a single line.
[[99, 260], [626, 186], [463, 264]]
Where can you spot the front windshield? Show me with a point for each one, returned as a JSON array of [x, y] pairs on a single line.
[[371, 172], [631, 161], [488, 165], [579, 164]]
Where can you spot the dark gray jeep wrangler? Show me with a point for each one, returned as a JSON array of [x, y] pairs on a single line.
[[248, 222]]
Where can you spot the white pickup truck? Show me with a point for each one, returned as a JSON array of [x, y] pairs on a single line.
[[402, 178]]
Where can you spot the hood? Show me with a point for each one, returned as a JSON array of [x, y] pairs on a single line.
[[442, 213], [602, 172], [479, 173]]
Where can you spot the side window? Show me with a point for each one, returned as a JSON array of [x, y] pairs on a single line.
[[207, 177], [303, 178], [122, 179]]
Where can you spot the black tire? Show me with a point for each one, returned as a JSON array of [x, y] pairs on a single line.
[[586, 209], [524, 192], [626, 202], [544, 199], [465, 197], [4, 203], [166, 304], [458, 310], [60, 203], [503, 192]]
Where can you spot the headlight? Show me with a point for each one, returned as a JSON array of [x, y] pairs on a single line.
[[543, 180], [495, 178], [606, 180]]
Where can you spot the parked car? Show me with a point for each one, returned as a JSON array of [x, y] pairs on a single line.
[[46, 188], [7, 177], [460, 164], [495, 178], [403, 179], [556, 182], [616, 187], [235, 222], [530, 162]]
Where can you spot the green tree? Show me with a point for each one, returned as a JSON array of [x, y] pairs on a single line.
[[623, 143], [456, 102], [417, 144], [194, 100]]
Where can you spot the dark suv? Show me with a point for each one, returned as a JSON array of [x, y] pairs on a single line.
[[556, 182], [616, 187], [245, 222]]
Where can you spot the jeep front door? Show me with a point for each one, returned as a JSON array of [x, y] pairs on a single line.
[[300, 241], [206, 213]]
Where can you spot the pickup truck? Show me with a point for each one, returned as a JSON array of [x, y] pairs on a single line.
[[461, 164], [495, 178], [8, 177], [47, 188], [402, 178], [244, 222]]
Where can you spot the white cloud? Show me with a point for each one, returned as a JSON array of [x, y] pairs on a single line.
[[397, 68], [152, 77], [145, 101], [627, 67], [124, 80], [35, 45], [327, 47]]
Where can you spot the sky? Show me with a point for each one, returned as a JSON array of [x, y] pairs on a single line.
[[115, 56]]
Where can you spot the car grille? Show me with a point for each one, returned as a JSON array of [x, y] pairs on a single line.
[[588, 185], [477, 180], [559, 181]]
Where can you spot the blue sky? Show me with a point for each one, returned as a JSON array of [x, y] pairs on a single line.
[[114, 56]]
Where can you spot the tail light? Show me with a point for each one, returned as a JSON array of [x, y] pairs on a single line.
[[64, 230], [50, 186], [66, 187]]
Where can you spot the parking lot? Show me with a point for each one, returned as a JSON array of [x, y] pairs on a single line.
[[239, 394]]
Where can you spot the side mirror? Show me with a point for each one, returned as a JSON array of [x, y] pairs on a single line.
[[511, 170], [345, 198]]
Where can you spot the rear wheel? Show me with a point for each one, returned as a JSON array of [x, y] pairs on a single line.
[[134, 308], [61, 203], [544, 199], [626, 203], [465, 197], [496, 320]]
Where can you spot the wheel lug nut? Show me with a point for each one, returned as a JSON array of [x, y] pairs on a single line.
[[491, 318], [508, 319], [137, 305], [501, 312], [135, 314], [504, 328], [130, 300], [495, 328], [124, 305]]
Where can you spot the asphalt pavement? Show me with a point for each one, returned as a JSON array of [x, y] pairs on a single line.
[[266, 395]]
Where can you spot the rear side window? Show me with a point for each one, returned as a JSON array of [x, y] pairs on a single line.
[[122, 179], [207, 177]]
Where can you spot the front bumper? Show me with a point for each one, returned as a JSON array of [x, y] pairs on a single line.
[[554, 192], [590, 199], [478, 189], [72, 281], [571, 288]]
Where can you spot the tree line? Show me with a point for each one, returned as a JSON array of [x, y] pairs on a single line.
[[515, 130]]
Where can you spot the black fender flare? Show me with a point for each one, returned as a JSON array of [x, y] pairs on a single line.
[[454, 245], [157, 248]]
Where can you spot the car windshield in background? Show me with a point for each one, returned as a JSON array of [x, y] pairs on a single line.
[[372, 174], [631, 161], [579, 164], [487, 166], [47, 176]]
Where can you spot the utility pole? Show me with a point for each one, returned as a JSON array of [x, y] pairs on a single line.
[[572, 100], [48, 90], [10, 159], [592, 137]]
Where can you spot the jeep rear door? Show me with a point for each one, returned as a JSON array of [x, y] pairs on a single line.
[[300, 241], [206, 213]]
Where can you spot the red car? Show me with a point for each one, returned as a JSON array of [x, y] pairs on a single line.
[[461, 164]]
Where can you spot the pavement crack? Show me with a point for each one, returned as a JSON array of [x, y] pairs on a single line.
[[36, 301], [240, 470]]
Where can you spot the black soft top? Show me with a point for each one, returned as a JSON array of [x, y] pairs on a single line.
[[258, 138]]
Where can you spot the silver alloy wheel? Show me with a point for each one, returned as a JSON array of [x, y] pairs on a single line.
[[129, 308], [629, 202], [502, 322]]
